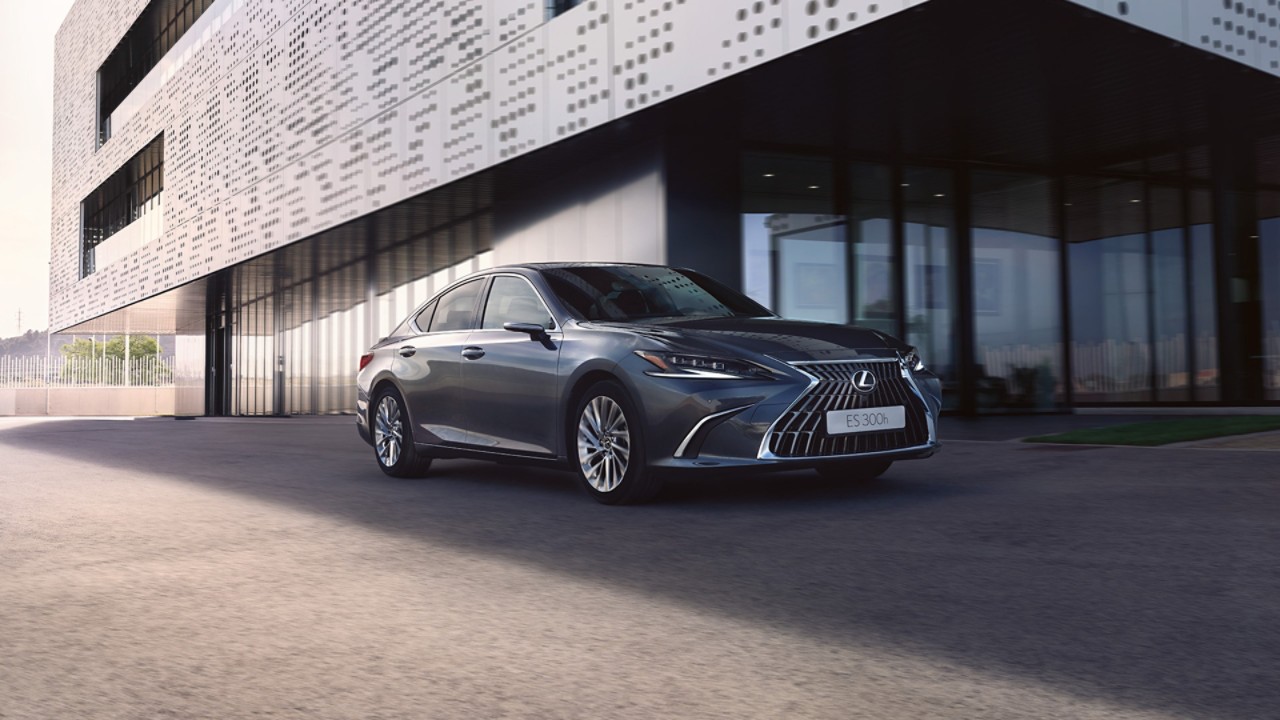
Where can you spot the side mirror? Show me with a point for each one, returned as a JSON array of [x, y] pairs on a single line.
[[533, 330]]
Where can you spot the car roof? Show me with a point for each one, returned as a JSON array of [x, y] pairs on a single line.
[[563, 265]]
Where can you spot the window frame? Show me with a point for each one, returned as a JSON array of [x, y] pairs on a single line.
[[488, 294], [474, 307]]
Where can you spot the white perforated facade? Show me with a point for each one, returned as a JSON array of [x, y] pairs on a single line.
[[286, 117], [285, 120]]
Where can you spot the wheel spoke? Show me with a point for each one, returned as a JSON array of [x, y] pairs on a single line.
[[593, 418], [389, 432], [604, 443]]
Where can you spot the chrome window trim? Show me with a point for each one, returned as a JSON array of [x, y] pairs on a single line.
[[931, 443]]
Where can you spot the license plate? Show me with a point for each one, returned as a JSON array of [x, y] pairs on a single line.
[[843, 422]]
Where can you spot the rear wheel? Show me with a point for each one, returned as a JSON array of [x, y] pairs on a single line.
[[393, 439], [854, 470], [608, 447]]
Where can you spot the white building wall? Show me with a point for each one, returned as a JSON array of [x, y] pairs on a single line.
[[288, 117]]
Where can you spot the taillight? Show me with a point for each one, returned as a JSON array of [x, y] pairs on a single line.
[[365, 359]]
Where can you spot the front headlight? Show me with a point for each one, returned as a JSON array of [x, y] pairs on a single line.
[[683, 365], [912, 360]]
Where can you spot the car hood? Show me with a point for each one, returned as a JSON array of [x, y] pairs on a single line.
[[785, 340]]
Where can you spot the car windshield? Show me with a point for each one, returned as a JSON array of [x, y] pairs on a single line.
[[628, 293]]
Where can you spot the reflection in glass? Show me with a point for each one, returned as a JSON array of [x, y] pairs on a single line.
[[1016, 293], [1111, 348], [811, 269], [1169, 297], [1204, 303], [930, 294], [871, 235], [1269, 256], [792, 242]]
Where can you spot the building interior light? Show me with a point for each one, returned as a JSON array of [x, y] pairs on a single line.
[[813, 187], [768, 175], [1135, 201], [939, 195]]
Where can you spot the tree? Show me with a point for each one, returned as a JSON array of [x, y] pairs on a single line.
[[144, 351]]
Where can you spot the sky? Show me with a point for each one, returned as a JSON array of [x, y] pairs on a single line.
[[26, 159]]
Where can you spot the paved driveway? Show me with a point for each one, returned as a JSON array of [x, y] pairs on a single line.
[[265, 568]]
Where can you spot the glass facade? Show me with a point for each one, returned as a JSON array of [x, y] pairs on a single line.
[[1016, 278], [160, 25], [1110, 291], [794, 242], [1025, 292], [1204, 302], [297, 321], [121, 200], [928, 202], [1269, 239]]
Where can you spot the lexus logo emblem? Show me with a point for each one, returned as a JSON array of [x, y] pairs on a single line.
[[864, 381]]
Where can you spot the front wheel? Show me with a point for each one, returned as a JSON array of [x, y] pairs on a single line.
[[393, 439], [855, 470], [607, 446]]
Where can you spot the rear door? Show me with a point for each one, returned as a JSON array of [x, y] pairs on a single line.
[[429, 365], [510, 378]]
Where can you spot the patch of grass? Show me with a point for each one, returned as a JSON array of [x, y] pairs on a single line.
[[1163, 432]]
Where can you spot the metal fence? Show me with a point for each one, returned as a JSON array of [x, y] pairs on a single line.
[[44, 372]]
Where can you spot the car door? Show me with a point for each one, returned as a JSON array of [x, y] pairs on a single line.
[[429, 366], [510, 378]]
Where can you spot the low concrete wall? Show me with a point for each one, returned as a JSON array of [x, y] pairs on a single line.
[[93, 401]]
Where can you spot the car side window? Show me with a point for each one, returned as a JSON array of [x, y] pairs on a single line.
[[455, 310], [423, 319], [513, 300]]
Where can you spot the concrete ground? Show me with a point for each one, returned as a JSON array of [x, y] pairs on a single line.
[[265, 568]]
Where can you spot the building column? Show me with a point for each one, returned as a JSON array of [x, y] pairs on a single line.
[[1237, 257]]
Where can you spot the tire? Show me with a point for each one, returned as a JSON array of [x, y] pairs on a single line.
[[854, 470], [606, 447], [393, 446]]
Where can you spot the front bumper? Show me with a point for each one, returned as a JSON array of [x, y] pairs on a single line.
[[781, 424]]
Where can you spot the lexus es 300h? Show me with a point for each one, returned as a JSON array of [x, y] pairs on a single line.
[[627, 373]]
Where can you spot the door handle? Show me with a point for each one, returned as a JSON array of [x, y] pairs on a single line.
[[408, 351], [472, 353]]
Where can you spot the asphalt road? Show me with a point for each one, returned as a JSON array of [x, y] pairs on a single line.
[[266, 569]]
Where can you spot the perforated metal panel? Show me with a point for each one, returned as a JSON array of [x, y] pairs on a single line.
[[288, 117], [1247, 31]]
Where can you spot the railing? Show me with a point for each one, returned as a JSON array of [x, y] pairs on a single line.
[[42, 372]]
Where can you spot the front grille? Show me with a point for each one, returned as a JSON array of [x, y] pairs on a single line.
[[802, 431]]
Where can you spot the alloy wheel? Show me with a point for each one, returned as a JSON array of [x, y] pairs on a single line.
[[388, 431], [604, 443]]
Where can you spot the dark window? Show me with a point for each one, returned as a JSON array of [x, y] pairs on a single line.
[[628, 293], [513, 300], [559, 7], [121, 199], [456, 309], [153, 34], [423, 319]]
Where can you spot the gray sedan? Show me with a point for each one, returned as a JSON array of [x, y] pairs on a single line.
[[629, 373]]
